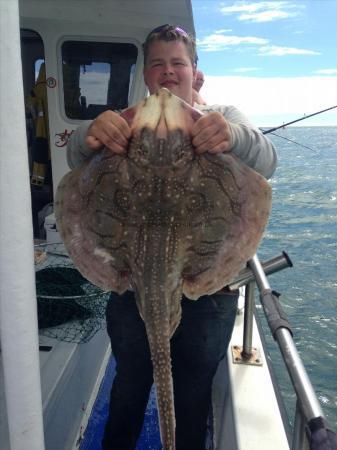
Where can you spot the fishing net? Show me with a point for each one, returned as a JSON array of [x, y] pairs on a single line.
[[69, 307]]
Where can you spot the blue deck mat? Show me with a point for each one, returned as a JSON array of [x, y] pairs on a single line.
[[149, 439]]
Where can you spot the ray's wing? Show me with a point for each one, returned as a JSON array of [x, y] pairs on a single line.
[[239, 201], [91, 210]]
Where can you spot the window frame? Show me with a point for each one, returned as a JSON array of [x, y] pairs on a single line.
[[96, 39]]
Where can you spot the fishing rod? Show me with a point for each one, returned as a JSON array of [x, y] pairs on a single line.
[[297, 120]]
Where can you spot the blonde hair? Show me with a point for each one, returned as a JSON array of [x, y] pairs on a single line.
[[169, 33]]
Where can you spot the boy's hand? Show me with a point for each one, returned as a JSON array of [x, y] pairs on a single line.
[[109, 129], [211, 133]]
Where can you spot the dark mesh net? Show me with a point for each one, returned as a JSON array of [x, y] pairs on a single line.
[[70, 308]]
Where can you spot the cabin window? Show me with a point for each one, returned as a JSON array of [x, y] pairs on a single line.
[[37, 65], [96, 76]]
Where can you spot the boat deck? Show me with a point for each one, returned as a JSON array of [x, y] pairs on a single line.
[[76, 380], [149, 439]]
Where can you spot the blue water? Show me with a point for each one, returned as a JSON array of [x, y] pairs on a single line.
[[304, 224]]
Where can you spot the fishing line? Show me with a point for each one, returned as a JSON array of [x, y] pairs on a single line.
[[294, 142], [271, 130]]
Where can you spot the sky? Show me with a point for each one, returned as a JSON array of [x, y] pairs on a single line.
[[274, 60]]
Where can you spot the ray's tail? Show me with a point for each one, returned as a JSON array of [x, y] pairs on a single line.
[[158, 289], [162, 373]]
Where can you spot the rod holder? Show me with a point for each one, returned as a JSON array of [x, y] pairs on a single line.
[[270, 266]]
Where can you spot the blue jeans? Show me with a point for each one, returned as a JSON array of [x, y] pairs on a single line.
[[197, 347]]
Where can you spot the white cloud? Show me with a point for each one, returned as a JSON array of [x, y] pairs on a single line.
[[239, 7], [263, 11], [326, 72], [265, 16], [224, 30], [217, 42], [275, 50], [271, 101], [246, 69]]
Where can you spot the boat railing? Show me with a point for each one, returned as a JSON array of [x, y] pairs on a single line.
[[311, 430]]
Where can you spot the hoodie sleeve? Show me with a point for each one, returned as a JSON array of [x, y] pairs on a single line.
[[77, 149], [248, 143]]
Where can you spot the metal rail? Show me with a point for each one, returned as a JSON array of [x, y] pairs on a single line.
[[248, 321], [308, 410], [308, 406], [308, 402]]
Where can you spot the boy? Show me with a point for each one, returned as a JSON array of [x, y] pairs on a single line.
[[201, 339]]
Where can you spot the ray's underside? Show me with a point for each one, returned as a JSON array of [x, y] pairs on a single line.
[[162, 221]]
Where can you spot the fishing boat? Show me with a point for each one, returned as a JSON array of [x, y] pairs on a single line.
[[79, 58]]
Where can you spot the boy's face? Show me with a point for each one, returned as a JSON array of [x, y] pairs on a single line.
[[168, 65]]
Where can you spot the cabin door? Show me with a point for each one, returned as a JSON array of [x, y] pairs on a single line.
[[35, 93]]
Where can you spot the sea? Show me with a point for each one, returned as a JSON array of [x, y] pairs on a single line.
[[303, 223]]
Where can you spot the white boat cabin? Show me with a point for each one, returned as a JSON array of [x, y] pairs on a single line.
[[80, 58]]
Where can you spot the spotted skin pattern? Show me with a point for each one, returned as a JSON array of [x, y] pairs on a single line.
[[163, 221]]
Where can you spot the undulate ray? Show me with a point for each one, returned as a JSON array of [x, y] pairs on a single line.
[[163, 221]]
